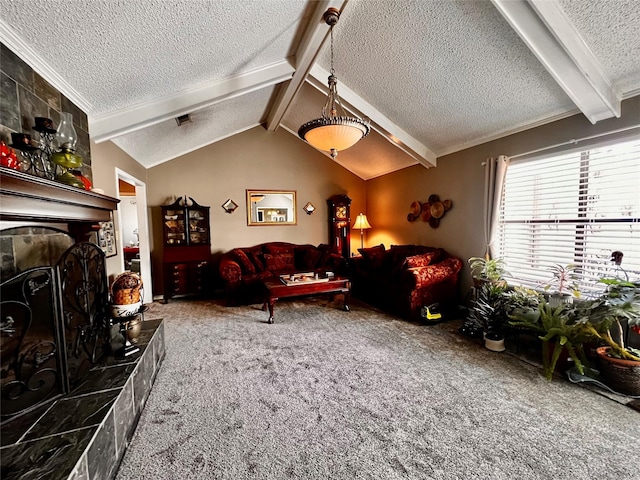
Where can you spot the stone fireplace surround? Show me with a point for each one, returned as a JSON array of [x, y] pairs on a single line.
[[83, 433]]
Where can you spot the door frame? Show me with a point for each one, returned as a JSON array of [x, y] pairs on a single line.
[[143, 230]]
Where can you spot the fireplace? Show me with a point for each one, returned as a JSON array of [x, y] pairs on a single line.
[[69, 404], [54, 327]]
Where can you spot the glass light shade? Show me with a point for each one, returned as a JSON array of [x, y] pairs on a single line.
[[338, 135], [361, 222], [66, 135]]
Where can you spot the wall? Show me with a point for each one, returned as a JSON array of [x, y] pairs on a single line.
[[129, 219], [26, 95], [106, 158], [460, 177], [255, 159]]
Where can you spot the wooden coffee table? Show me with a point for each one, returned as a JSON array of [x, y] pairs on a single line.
[[275, 289]]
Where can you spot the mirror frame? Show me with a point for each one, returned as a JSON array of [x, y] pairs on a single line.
[[254, 222]]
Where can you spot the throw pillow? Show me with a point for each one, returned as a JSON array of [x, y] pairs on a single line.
[[255, 254], [244, 261], [419, 260], [373, 255], [279, 263], [311, 259]]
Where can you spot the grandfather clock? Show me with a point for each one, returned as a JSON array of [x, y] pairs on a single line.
[[340, 224]]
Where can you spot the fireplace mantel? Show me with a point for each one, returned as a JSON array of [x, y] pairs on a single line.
[[27, 198]]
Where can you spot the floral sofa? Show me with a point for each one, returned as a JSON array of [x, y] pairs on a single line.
[[404, 278], [244, 269]]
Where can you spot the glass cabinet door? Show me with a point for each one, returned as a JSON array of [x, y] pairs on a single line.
[[185, 223], [174, 225], [198, 225]]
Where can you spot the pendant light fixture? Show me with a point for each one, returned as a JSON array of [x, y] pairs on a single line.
[[334, 131]]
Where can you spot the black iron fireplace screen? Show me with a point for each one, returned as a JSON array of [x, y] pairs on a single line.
[[53, 327]]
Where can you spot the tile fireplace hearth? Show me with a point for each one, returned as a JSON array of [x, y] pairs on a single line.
[[69, 403], [83, 434]]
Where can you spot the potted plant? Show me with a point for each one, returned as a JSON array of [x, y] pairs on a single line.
[[619, 363], [565, 281], [486, 270], [561, 330], [488, 314], [523, 301], [483, 271]]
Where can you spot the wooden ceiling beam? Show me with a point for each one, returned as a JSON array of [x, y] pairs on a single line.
[[547, 31], [128, 120], [308, 49]]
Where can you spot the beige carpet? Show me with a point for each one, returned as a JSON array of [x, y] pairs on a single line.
[[327, 394]]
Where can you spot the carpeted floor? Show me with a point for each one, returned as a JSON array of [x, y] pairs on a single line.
[[327, 394]]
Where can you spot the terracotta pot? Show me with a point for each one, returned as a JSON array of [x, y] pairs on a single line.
[[621, 375]]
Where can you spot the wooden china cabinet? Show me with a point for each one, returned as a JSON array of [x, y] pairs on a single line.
[[186, 254], [340, 224]]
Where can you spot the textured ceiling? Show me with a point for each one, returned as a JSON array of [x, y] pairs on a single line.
[[118, 54], [435, 76], [611, 29], [420, 61], [166, 140]]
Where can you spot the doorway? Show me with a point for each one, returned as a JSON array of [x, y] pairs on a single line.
[[133, 229]]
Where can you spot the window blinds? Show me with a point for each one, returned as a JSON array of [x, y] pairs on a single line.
[[573, 208]]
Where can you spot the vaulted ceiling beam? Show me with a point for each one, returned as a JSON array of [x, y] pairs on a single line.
[[355, 104], [547, 31], [306, 54], [127, 120]]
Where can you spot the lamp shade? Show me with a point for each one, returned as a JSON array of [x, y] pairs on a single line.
[[361, 222], [334, 131], [334, 134]]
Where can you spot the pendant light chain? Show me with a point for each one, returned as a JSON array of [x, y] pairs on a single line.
[[331, 71], [334, 130]]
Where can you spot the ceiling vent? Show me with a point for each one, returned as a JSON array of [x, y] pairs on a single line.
[[182, 119]]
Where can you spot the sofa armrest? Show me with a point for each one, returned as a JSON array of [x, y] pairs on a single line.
[[230, 270], [357, 267], [422, 277], [337, 263]]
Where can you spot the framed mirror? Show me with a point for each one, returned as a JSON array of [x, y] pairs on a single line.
[[271, 207]]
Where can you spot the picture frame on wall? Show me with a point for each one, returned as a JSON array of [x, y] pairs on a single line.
[[106, 238]]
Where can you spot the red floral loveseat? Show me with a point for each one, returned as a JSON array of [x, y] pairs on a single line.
[[404, 278], [244, 269]]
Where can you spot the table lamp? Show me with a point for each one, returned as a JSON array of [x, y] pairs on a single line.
[[362, 223]]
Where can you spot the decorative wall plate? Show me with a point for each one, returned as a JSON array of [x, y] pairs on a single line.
[[415, 209], [437, 209]]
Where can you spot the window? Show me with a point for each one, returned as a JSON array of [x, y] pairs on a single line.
[[574, 208]]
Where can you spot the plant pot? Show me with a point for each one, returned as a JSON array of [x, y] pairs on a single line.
[[621, 375], [494, 342], [558, 299], [471, 330]]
